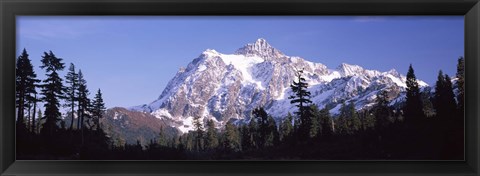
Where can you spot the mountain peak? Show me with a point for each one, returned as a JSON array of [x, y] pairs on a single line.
[[350, 70], [260, 48]]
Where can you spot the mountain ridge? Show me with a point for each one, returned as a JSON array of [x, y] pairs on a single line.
[[227, 87]]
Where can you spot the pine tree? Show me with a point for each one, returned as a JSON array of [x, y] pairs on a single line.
[[354, 121], [272, 136], [342, 125], [98, 109], [83, 101], [315, 121], [301, 100], [231, 138], [262, 121], [286, 128], [162, 137], [198, 133], [212, 139], [52, 91], [381, 111], [444, 99], [25, 85], [413, 107], [72, 97], [326, 126], [253, 135]]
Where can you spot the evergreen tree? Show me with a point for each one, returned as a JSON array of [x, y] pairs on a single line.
[[25, 85], [212, 138], [72, 97], [301, 100], [342, 125], [262, 121], [381, 111], [98, 109], [35, 100], [267, 129], [52, 91], [253, 135], [231, 138], [326, 126], [198, 133], [444, 99], [286, 128], [354, 121], [413, 108], [162, 137], [272, 136], [315, 121], [461, 86], [83, 101]]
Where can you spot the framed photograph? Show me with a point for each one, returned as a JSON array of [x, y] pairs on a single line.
[[238, 88]]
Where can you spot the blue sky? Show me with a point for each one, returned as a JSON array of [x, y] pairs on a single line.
[[132, 58]]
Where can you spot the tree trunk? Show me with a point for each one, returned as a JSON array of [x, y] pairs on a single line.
[[34, 112]]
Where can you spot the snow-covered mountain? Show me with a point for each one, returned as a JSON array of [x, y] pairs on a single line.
[[223, 87]]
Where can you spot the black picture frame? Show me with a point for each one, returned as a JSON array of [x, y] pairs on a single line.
[[11, 8]]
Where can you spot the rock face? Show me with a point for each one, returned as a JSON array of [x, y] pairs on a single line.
[[226, 87]]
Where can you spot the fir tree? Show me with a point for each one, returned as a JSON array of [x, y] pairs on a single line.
[[231, 138], [267, 130], [413, 107], [83, 101], [286, 128], [326, 126], [342, 125], [198, 133], [381, 111], [272, 136], [72, 97], [212, 138], [52, 91], [354, 121], [162, 137], [315, 121], [301, 100], [444, 99], [25, 86], [253, 135], [98, 109]]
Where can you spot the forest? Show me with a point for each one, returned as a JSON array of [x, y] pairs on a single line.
[[429, 125]]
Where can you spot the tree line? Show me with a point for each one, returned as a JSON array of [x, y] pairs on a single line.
[[426, 126], [47, 132]]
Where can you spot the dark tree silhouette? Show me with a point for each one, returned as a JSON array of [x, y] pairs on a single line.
[[212, 136], [71, 91], [444, 99], [84, 103], [98, 109], [198, 133], [301, 100], [25, 86], [52, 91], [413, 108]]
